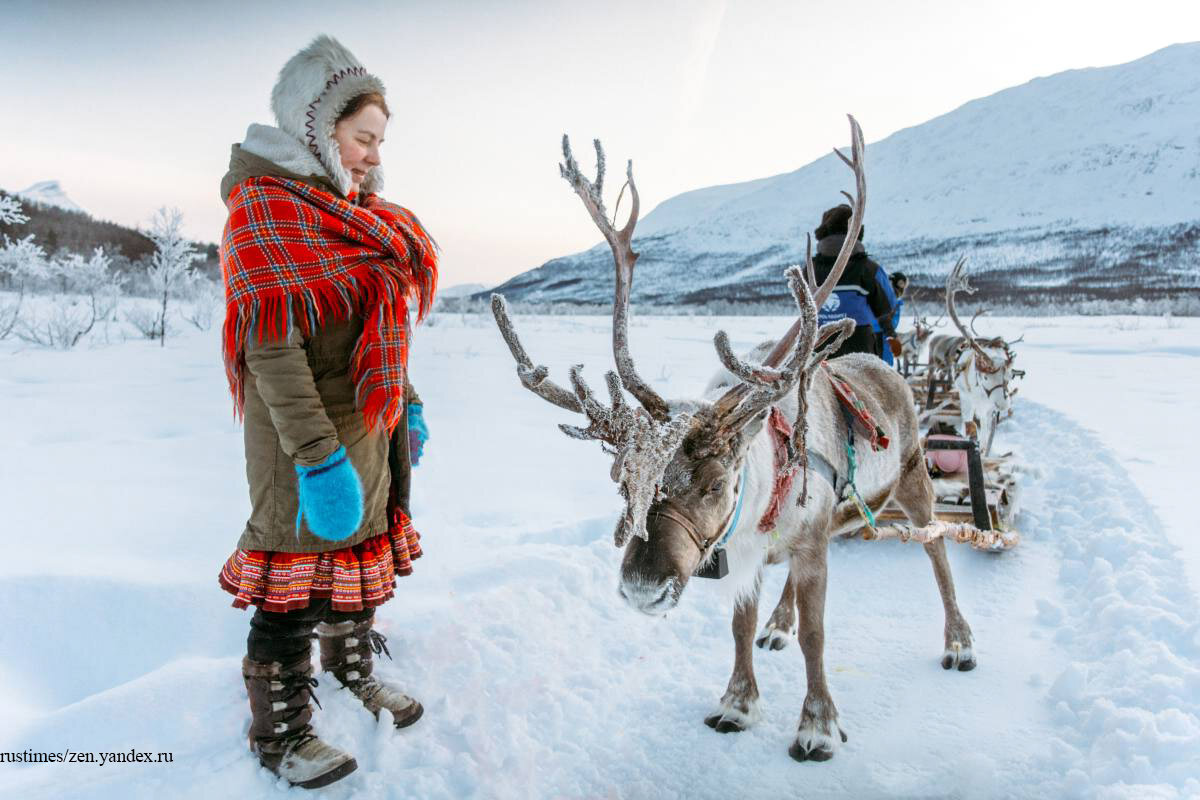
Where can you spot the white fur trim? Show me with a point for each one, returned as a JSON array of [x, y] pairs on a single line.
[[313, 88], [281, 149]]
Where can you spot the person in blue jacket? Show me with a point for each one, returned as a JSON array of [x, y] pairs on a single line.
[[899, 283], [861, 293]]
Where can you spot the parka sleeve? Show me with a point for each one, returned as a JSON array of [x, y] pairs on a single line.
[[285, 383], [882, 299]]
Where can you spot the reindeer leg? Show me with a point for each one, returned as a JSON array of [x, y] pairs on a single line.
[[739, 706], [914, 494], [781, 627], [818, 732]]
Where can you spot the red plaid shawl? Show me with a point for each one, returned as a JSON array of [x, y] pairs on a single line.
[[294, 255]]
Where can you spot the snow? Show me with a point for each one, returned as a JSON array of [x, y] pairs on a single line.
[[50, 193], [1071, 174], [126, 470], [1106, 143]]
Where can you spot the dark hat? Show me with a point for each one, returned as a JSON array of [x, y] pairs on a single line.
[[836, 220]]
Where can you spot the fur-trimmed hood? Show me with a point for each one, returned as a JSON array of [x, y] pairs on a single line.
[[313, 88], [267, 150]]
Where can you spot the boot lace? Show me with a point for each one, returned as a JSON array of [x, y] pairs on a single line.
[[378, 643]]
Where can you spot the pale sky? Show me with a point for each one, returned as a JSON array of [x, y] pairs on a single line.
[[133, 105]]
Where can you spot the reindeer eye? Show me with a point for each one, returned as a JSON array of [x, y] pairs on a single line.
[[715, 487]]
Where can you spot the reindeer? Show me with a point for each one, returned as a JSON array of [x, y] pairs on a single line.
[[698, 475], [981, 369], [911, 344]]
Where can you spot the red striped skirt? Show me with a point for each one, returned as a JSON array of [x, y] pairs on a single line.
[[353, 578]]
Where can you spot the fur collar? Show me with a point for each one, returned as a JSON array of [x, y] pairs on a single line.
[[288, 152], [313, 88], [831, 245]]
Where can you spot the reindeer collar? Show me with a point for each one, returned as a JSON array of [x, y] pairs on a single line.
[[737, 509]]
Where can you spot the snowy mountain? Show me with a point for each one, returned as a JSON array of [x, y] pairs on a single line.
[[461, 290], [1085, 182], [50, 193]]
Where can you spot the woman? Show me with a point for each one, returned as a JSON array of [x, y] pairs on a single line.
[[318, 274]]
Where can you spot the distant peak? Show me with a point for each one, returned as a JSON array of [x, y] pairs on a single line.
[[50, 193]]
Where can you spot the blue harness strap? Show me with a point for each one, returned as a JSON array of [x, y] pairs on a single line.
[[737, 509], [851, 487]]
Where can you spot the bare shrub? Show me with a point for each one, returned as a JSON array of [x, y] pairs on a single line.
[[146, 320], [204, 297], [90, 293]]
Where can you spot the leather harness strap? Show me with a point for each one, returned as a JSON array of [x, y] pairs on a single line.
[[683, 521]]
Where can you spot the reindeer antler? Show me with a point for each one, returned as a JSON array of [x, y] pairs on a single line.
[[624, 258], [801, 337], [957, 282], [974, 317], [642, 440], [532, 378]]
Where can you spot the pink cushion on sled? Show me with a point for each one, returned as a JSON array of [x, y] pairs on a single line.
[[948, 461]]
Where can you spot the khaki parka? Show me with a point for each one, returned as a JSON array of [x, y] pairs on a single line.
[[299, 409]]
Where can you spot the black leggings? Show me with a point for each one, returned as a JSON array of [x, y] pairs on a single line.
[[286, 637]]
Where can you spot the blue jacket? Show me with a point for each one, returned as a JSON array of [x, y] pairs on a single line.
[[858, 295], [885, 283]]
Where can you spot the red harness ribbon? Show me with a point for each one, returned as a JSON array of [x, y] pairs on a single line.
[[781, 434]]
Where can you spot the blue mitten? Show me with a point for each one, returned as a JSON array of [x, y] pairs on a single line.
[[331, 497], [418, 433]]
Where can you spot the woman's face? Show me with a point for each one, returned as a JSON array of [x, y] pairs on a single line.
[[359, 138]]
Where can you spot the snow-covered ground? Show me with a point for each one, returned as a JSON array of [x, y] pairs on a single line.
[[124, 492]]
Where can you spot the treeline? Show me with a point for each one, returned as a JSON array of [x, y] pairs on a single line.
[[59, 299], [61, 233]]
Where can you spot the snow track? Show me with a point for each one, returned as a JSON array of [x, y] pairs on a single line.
[[539, 682]]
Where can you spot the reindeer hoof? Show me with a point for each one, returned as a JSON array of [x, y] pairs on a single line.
[[812, 745], [723, 724], [734, 715], [772, 638], [958, 656], [816, 754]]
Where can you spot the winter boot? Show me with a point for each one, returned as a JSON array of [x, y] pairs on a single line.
[[280, 734], [346, 649]]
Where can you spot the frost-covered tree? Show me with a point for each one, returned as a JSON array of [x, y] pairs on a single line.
[[90, 292], [21, 261], [170, 271], [10, 211]]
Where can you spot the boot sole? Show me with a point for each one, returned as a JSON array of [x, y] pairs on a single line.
[[335, 774], [409, 720]]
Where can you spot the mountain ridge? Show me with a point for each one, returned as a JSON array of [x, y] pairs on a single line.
[[1088, 177]]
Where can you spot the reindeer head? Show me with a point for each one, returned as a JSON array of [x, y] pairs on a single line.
[[922, 330], [679, 467]]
